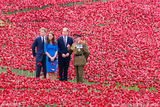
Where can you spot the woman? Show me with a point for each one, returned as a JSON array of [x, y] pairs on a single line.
[[51, 50]]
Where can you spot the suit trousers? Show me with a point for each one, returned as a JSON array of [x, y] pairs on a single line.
[[79, 73], [63, 70], [38, 67]]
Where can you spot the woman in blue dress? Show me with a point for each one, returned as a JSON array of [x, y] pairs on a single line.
[[51, 50]]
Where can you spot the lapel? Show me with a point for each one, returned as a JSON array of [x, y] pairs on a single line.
[[39, 39], [67, 40], [62, 40]]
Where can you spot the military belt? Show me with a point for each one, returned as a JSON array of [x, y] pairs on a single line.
[[78, 54]]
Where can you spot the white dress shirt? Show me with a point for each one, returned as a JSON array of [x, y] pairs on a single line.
[[44, 38], [65, 38]]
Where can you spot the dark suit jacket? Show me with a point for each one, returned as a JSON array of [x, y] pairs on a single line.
[[40, 49], [62, 49]]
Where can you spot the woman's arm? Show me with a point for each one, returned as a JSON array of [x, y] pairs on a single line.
[[48, 55], [45, 50], [55, 54]]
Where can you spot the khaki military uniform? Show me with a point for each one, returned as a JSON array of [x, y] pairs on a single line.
[[81, 53]]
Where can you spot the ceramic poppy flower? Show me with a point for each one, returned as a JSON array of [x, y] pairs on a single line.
[[39, 63], [122, 37], [58, 77]]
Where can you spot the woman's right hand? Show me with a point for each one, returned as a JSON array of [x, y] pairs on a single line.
[[52, 58]]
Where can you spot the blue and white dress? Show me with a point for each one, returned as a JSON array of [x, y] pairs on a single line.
[[51, 66]]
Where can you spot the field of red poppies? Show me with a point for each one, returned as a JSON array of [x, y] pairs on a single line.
[[123, 38]]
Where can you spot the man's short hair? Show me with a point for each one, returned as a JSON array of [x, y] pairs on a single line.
[[65, 29], [44, 29]]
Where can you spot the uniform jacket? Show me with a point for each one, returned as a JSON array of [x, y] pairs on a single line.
[[80, 52]]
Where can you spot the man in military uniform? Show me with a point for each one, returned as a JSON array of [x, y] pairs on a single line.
[[81, 53]]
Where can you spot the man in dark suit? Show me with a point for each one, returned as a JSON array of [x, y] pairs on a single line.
[[64, 56], [40, 55]]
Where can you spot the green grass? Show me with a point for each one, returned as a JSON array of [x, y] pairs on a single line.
[[24, 10], [1, 23], [19, 72], [66, 4], [29, 74], [135, 88], [80, 3]]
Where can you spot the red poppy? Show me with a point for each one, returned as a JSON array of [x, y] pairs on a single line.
[[122, 38], [39, 63], [58, 77]]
